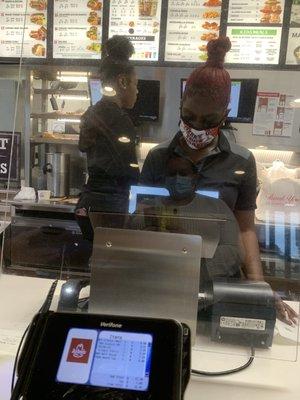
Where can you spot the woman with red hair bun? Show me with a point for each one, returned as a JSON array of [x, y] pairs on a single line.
[[221, 166]]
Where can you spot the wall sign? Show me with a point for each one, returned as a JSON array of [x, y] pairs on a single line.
[[5, 149], [140, 21], [77, 29]]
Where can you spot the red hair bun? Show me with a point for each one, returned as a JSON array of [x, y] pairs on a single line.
[[216, 50]]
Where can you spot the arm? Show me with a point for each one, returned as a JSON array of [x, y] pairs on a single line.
[[253, 268]]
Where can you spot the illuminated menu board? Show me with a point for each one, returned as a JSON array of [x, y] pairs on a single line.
[[23, 28], [293, 50], [139, 20], [191, 25], [258, 43], [77, 29], [256, 11], [254, 45]]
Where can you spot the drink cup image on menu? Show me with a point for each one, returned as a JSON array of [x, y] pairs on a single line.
[[148, 8]]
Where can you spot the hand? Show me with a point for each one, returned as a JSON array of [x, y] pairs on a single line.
[[284, 312]]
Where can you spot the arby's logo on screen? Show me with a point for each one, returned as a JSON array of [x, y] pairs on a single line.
[[79, 351]]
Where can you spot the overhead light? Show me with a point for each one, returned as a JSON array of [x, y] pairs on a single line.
[[134, 165], [261, 147], [297, 101], [239, 172], [72, 78], [69, 97], [108, 91], [124, 139], [75, 121]]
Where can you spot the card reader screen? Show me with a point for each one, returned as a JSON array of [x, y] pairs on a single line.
[[105, 358]]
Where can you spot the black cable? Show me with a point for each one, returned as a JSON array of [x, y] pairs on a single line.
[[228, 372], [17, 358], [45, 307]]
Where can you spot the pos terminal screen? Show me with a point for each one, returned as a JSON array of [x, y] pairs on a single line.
[[106, 358]]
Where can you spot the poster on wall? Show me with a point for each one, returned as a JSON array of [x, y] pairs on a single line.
[[23, 28], [256, 11], [274, 115], [254, 45], [6, 140], [293, 49], [191, 24], [140, 21], [77, 29]]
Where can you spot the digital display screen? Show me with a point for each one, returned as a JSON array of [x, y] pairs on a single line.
[[234, 99], [95, 88], [106, 358]]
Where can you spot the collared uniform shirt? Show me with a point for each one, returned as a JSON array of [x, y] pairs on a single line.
[[229, 169]]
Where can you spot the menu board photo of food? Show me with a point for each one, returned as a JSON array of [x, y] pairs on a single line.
[[23, 29], [293, 50], [256, 11], [191, 25], [77, 29], [139, 20]]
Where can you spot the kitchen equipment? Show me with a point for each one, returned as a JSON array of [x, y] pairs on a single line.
[[57, 171]]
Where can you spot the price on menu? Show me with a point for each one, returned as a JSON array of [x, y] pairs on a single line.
[[256, 11], [23, 30], [77, 29], [191, 25], [139, 20]]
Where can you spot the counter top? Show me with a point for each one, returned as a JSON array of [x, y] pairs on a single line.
[[265, 379], [46, 205]]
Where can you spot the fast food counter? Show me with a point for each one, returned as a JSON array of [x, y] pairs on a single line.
[[266, 379]]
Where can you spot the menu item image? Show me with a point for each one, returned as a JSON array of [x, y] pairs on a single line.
[[213, 3], [271, 12], [40, 34], [38, 18], [94, 5], [295, 13], [38, 50], [39, 5]]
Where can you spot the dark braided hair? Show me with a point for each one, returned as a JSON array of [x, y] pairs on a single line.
[[211, 79]]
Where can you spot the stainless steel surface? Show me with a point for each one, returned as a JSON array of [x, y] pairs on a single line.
[[149, 274], [58, 173]]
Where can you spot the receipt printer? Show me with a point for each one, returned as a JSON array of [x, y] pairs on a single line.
[[104, 357], [243, 312]]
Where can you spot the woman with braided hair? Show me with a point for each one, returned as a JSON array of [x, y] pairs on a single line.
[[221, 166]]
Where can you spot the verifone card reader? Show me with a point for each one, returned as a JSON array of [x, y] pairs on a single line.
[[85, 356]]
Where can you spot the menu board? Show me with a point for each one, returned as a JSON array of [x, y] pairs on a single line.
[[139, 20], [23, 28], [293, 49], [190, 25], [77, 29], [254, 45], [256, 11]]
